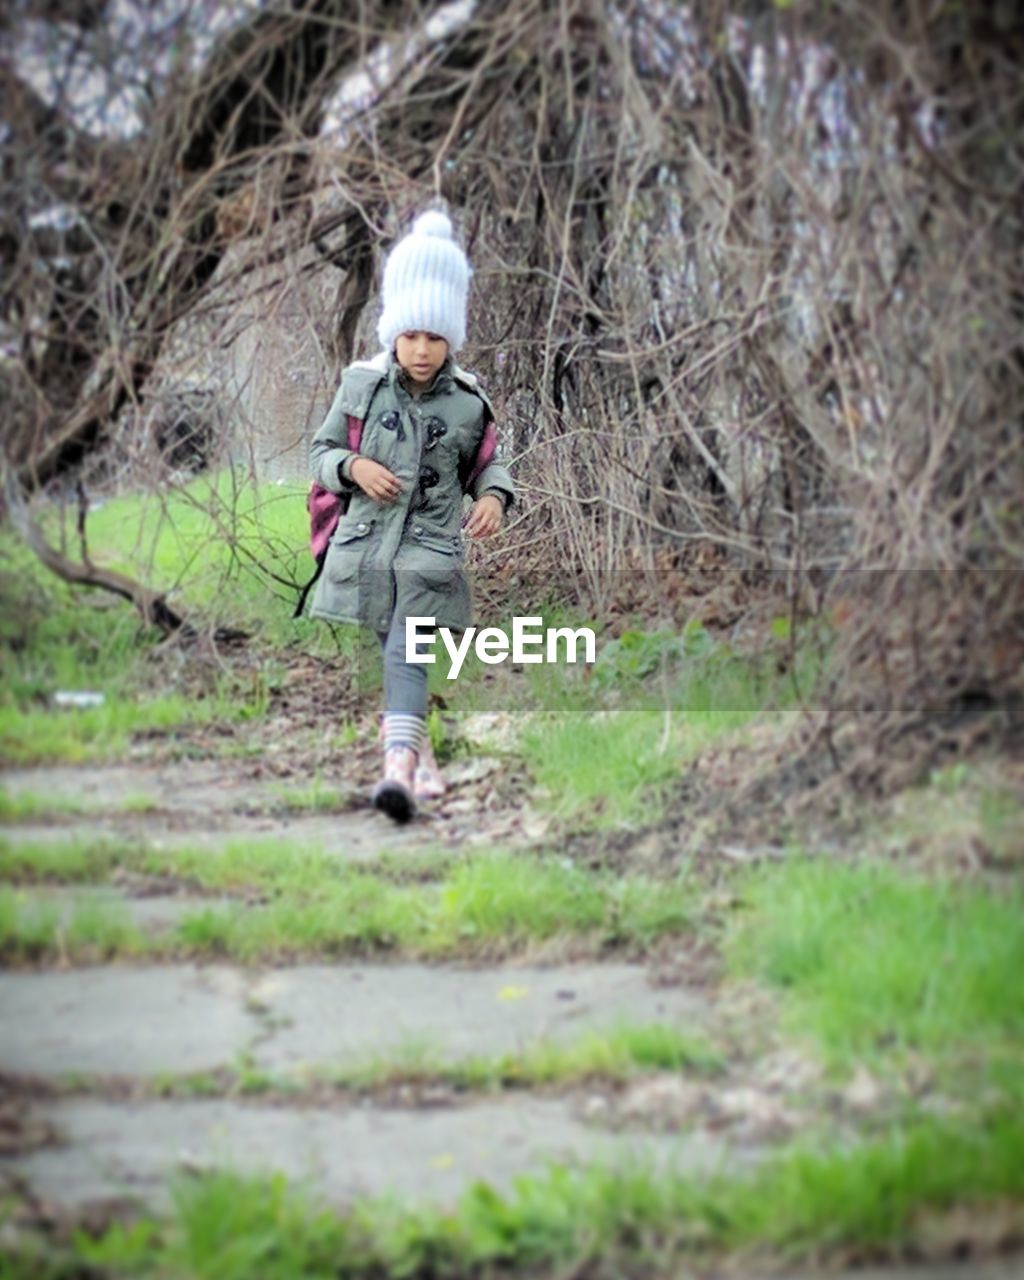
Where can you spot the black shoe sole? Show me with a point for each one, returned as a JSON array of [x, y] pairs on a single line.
[[393, 799]]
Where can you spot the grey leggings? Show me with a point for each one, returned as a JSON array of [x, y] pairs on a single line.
[[405, 683]]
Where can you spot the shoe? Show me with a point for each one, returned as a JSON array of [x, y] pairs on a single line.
[[429, 784], [393, 794]]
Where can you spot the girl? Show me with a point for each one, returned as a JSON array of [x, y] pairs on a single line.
[[427, 439]]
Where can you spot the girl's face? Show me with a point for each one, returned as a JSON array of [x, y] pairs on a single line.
[[421, 355]]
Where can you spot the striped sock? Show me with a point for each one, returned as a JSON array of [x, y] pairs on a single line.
[[403, 731]]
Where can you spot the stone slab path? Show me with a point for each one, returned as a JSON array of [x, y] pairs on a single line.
[[201, 805], [151, 1020], [149, 912], [350, 837], [192, 789], [122, 1023], [423, 1156], [211, 803], [121, 1029]]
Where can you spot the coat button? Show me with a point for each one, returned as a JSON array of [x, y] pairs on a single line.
[[418, 529], [361, 526]]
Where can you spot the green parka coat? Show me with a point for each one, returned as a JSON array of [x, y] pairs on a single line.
[[405, 556]]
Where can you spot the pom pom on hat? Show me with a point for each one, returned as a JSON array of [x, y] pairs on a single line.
[[426, 283], [433, 223]]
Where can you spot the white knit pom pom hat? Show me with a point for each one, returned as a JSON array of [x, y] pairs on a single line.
[[426, 281]]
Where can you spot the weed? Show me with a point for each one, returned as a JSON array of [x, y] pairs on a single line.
[[65, 862], [233, 1229], [31, 736], [599, 1220], [870, 959], [196, 1084], [435, 728], [136, 802], [314, 797], [317, 905], [271, 866], [501, 896], [26, 805], [634, 655], [31, 929], [357, 915], [345, 736], [28, 928], [495, 902], [615, 1054], [605, 770]]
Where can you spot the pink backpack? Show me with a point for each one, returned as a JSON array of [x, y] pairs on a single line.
[[326, 507]]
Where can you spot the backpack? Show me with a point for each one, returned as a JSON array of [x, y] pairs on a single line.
[[326, 508]]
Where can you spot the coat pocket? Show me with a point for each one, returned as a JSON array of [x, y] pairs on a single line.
[[440, 543], [350, 547], [349, 531], [431, 554], [430, 579], [351, 587]]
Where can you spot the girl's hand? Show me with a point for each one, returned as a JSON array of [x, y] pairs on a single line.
[[375, 480], [485, 516]]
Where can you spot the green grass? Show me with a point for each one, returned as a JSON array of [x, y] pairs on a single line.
[[277, 867], [218, 546], [358, 916], [135, 802], [599, 1221], [31, 929], [268, 865], [52, 639], [617, 769], [494, 904], [607, 751], [869, 959], [229, 552], [804, 1200], [217, 543], [27, 804], [314, 797], [32, 736], [616, 1054], [62, 861], [223, 547]]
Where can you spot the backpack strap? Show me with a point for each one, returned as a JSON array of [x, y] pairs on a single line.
[[325, 509], [488, 447]]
